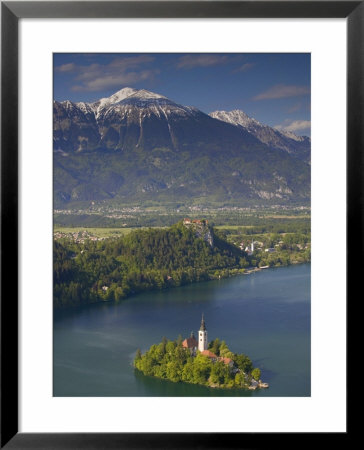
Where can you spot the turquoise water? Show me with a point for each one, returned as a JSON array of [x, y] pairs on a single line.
[[265, 315]]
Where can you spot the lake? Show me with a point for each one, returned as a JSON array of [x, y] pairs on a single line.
[[265, 315]]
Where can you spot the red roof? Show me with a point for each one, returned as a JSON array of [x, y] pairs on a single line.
[[208, 354], [225, 360], [189, 342]]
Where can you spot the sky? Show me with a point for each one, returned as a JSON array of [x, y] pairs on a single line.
[[274, 88]]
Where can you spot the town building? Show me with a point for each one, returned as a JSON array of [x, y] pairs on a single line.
[[228, 361], [191, 343], [209, 354]]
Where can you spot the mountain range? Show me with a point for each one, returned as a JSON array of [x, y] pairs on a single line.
[[139, 147], [299, 146]]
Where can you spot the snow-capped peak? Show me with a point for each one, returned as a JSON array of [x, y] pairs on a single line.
[[235, 117], [240, 118], [68, 104], [114, 98], [291, 135], [120, 95], [125, 93], [144, 94]]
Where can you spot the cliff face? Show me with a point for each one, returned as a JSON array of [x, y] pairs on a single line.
[[201, 229]]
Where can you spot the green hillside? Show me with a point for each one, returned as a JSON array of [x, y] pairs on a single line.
[[113, 269]]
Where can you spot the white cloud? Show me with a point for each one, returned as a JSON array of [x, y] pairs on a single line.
[[245, 67], [295, 125], [120, 71], [113, 80], [70, 67], [282, 91]]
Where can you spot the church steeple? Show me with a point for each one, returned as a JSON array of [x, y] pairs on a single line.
[[203, 326], [202, 336]]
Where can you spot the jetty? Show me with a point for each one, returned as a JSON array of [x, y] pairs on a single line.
[[258, 384]]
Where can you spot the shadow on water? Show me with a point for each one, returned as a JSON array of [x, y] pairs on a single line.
[[68, 313]]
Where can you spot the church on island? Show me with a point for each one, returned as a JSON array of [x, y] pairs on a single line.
[[193, 345], [195, 360]]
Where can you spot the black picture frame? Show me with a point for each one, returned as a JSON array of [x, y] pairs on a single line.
[[11, 12]]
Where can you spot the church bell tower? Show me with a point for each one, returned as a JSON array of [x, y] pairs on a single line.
[[202, 336]]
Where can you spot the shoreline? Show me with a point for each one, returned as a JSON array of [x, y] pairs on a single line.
[[248, 271], [253, 386]]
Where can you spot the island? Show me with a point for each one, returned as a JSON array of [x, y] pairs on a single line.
[[198, 362]]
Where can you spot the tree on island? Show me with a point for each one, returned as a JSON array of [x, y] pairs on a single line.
[[243, 362], [214, 346], [256, 374], [220, 373], [179, 340], [138, 355]]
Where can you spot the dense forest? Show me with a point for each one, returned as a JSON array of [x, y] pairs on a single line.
[[171, 361], [146, 259], [142, 260]]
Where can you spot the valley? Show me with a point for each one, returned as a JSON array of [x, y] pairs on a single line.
[[101, 215]]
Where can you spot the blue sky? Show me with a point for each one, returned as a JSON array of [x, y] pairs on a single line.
[[274, 88]]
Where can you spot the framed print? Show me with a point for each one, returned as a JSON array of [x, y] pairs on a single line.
[[178, 196]]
